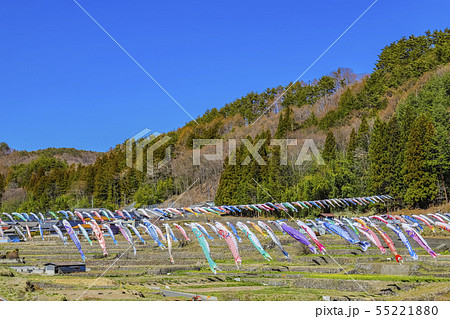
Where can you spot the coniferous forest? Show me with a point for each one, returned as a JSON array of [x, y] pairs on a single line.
[[387, 132]]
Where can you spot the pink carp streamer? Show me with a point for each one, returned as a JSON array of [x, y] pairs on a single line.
[[388, 241], [370, 235], [444, 226], [28, 232], [424, 220], [182, 231], [99, 235], [231, 242], [169, 242], [311, 235]]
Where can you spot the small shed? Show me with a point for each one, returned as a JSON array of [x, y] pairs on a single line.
[[64, 268], [11, 235]]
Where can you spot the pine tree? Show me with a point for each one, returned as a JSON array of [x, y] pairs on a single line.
[[228, 184], [363, 135], [361, 164], [352, 143], [420, 181], [394, 153], [378, 157], [274, 182], [407, 116], [347, 102], [329, 150], [286, 123]]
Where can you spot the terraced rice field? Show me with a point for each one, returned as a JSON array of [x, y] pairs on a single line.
[[345, 273]]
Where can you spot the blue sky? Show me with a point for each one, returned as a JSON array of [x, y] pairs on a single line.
[[64, 83]]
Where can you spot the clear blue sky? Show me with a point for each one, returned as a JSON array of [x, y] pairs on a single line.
[[64, 83]]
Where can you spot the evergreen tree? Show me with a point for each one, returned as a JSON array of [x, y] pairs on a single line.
[[420, 181], [286, 123], [433, 99], [394, 153], [329, 150], [352, 143], [228, 185], [347, 101], [363, 135], [385, 152], [4, 148], [378, 157]]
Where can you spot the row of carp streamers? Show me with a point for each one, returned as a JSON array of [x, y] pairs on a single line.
[[350, 229], [166, 212]]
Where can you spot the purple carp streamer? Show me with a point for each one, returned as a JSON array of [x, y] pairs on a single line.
[[74, 238], [126, 233], [294, 233], [404, 240], [419, 239]]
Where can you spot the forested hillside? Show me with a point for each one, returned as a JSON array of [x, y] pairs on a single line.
[[386, 132], [13, 161]]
